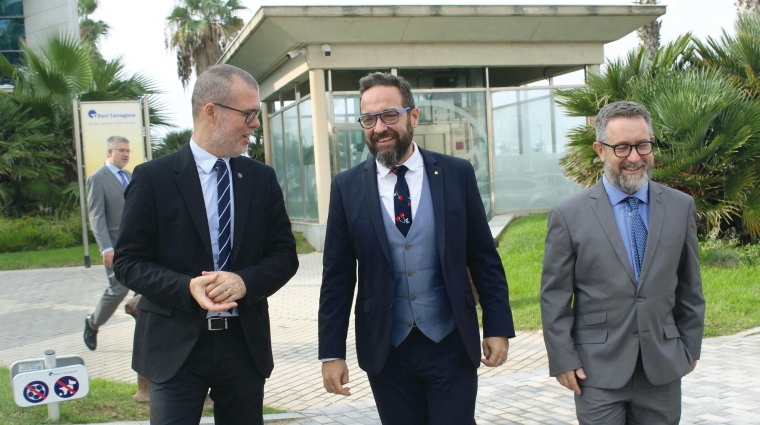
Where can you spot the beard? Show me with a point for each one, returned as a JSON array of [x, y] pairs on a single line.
[[628, 184], [224, 139], [389, 156]]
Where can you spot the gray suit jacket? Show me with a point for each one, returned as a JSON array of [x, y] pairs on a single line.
[[594, 314], [105, 201]]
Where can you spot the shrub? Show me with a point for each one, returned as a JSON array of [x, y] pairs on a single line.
[[39, 233]]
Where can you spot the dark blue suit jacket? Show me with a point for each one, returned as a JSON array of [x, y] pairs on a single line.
[[355, 233]]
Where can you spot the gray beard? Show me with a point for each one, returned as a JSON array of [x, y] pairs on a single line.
[[389, 159], [628, 185]]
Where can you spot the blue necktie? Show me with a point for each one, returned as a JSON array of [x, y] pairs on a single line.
[[639, 232], [123, 177], [402, 203], [225, 217]]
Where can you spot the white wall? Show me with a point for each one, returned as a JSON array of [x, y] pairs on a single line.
[[43, 17]]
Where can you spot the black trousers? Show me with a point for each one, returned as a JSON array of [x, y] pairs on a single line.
[[424, 383], [222, 362]]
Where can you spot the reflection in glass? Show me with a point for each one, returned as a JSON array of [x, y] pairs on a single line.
[[529, 139], [311, 209], [10, 32], [294, 197], [12, 8], [278, 150]]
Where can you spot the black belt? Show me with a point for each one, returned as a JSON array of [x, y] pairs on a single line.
[[221, 323]]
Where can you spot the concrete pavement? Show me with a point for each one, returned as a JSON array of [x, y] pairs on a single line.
[[44, 309]]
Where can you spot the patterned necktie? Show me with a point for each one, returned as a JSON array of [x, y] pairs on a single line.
[[639, 232], [402, 203], [225, 218], [123, 177]]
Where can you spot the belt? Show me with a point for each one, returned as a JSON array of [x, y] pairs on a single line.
[[221, 323]]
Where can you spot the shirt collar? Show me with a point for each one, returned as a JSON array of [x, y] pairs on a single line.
[[114, 169], [413, 163], [205, 160], [617, 196]]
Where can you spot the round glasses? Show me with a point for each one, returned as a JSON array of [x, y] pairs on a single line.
[[622, 150], [389, 116]]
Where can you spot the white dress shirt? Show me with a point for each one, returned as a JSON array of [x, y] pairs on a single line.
[[205, 163], [386, 182]]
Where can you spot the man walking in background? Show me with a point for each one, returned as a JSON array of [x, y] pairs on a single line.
[[413, 221], [621, 293], [105, 201]]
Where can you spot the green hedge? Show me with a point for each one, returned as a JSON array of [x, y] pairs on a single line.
[[38, 233]]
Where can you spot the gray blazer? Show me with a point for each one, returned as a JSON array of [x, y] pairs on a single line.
[[594, 314], [105, 200]]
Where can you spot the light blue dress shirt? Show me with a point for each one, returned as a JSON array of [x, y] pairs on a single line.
[[621, 210], [205, 162]]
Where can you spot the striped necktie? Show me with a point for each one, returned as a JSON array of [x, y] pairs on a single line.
[[123, 177], [225, 217]]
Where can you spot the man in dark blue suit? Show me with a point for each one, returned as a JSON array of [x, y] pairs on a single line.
[[414, 222]]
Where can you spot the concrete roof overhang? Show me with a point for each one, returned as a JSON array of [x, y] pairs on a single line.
[[261, 46]]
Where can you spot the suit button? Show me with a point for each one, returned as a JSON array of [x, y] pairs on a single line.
[[639, 299], [407, 246], [202, 313], [410, 272], [390, 277], [635, 333], [409, 324], [390, 306], [412, 298]]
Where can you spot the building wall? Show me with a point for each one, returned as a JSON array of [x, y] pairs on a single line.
[[50, 16]]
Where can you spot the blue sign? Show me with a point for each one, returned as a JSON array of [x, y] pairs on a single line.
[[36, 392], [66, 387]]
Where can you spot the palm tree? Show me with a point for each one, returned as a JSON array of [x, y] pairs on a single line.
[[172, 141], [747, 6], [90, 31], [649, 34], [44, 83], [198, 31]]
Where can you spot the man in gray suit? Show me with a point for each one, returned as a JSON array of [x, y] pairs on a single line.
[[621, 293], [105, 200]]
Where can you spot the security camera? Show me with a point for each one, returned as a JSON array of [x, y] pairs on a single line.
[[293, 53], [326, 49]]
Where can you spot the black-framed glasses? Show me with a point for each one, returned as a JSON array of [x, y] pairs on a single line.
[[389, 116], [249, 115], [622, 150]]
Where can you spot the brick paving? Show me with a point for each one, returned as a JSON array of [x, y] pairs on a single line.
[[43, 309]]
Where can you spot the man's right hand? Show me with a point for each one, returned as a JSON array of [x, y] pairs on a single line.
[[334, 376], [198, 291], [108, 258], [569, 379]]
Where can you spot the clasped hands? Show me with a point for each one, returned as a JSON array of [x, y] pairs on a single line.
[[217, 291]]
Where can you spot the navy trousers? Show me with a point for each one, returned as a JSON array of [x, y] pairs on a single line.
[[221, 361], [424, 383]]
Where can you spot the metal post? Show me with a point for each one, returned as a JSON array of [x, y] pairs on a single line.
[[82, 207], [54, 411], [146, 124]]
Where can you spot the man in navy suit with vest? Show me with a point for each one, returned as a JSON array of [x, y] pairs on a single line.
[[414, 222]]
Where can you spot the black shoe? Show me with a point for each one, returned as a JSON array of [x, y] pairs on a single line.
[[90, 335]]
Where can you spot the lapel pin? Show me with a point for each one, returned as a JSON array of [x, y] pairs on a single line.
[[435, 172], [240, 175]]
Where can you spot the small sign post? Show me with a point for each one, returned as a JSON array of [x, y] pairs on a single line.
[[49, 381]]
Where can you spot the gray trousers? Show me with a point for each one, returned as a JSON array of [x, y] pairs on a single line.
[[637, 403], [109, 301]]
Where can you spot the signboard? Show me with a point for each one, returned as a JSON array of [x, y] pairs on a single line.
[[50, 385], [101, 120]]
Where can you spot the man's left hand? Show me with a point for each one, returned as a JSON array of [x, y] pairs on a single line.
[[227, 287], [495, 349], [693, 365]]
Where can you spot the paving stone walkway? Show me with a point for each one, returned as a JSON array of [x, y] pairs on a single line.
[[44, 309]]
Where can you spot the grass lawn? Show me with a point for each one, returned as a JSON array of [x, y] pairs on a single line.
[[72, 257], [63, 257], [107, 401], [732, 295]]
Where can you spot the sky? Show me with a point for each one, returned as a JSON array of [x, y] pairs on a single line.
[[138, 34]]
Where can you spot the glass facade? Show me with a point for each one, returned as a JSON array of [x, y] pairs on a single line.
[[11, 29], [529, 138], [293, 158]]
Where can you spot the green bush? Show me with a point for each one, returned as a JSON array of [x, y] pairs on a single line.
[[38, 233]]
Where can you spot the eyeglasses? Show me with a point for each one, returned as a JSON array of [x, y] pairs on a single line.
[[121, 150], [389, 116], [249, 115], [622, 150]]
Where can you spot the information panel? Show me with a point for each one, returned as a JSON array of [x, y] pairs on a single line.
[[101, 120]]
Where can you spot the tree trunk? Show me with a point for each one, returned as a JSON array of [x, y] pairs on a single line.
[[747, 6], [649, 34]]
